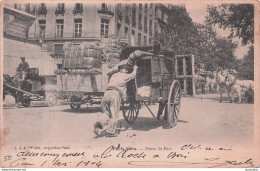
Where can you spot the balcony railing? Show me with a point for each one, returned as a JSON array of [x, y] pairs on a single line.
[[105, 11], [65, 36], [59, 11], [78, 11]]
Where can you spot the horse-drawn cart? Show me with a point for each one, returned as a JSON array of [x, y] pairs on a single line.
[[29, 86], [155, 82]]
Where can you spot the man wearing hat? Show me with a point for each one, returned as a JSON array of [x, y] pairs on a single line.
[[23, 67], [111, 100]]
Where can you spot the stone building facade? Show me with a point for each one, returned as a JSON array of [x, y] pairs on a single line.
[[59, 25]]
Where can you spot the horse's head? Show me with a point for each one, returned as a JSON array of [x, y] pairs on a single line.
[[231, 78]]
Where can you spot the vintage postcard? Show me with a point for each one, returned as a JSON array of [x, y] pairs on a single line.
[[131, 84]]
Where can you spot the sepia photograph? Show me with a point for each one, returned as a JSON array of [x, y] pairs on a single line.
[[130, 84]]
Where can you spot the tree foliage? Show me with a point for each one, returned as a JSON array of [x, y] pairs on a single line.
[[215, 51], [180, 33], [185, 37], [238, 17], [246, 66]]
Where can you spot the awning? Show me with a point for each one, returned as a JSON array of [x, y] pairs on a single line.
[[14, 50]]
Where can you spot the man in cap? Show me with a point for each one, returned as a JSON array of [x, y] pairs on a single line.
[[22, 68], [111, 100]]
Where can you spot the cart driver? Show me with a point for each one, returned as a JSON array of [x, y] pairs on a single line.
[[111, 101], [22, 68]]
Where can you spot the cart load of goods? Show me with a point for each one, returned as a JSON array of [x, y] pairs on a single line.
[[32, 83], [85, 66]]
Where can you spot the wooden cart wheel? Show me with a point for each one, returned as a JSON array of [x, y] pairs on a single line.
[[174, 104], [26, 102], [75, 103], [130, 112]]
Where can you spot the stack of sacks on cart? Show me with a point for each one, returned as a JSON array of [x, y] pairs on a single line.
[[85, 67]]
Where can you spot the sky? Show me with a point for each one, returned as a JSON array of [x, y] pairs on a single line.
[[198, 13]]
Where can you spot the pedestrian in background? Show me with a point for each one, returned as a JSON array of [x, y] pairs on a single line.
[[22, 68]]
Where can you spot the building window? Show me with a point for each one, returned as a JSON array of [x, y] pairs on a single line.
[[133, 33], [151, 26], [119, 12], [33, 10], [151, 9], [127, 14], [77, 27], [60, 9], [59, 28], [126, 32], [18, 6], [104, 7], [42, 9], [155, 29], [132, 40], [146, 8], [104, 28], [118, 29], [145, 39], [27, 8], [78, 9], [140, 17], [134, 15], [145, 24], [42, 27], [139, 39]]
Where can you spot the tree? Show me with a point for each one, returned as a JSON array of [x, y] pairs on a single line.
[[214, 51], [246, 67], [185, 37], [238, 17], [180, 32]]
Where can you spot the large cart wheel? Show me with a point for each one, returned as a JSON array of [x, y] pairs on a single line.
[[174, 104], [75, 103], [130, 112], [26, 102]]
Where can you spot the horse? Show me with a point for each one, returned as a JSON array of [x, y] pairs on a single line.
[[242, 86], [226, 84]]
